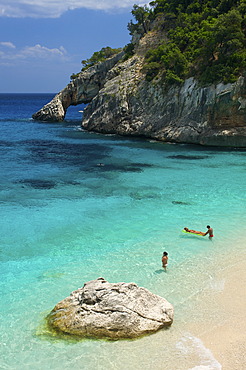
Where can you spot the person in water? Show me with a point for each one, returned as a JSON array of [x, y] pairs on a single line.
[[210, 232], [193, 231], [165, 260]]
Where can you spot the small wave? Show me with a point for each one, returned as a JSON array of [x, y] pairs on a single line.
[[217, 285], [14, 119], [190, 345]]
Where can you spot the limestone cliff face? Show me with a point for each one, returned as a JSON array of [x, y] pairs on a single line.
[[128, 105], [121, 101]]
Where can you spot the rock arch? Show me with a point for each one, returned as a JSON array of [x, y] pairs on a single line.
[[81, 90]]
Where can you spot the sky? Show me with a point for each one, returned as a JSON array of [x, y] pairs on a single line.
[[42, 42]]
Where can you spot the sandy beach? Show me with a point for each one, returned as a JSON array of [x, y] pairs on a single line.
[[227, 341]]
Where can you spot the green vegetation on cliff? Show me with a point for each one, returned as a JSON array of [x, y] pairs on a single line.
[[206, 39], [98, 56]]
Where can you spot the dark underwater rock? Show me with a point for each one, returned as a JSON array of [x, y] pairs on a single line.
[[38, 183]]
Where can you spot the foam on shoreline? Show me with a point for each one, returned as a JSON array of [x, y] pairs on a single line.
[[189, 344]]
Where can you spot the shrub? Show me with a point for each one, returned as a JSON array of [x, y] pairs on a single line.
[[99, 56], [129, 51]]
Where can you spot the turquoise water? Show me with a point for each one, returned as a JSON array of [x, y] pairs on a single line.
[[65, 220]]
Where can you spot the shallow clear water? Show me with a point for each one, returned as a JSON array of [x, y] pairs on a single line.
[[66, 219]]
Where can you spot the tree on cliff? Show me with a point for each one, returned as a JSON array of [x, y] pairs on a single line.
[[142, 17], [201, 38], [206, 39]]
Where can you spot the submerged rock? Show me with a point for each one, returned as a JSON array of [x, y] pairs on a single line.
[[111, 310]]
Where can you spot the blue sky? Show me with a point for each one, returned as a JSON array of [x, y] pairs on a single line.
[[42, 42]]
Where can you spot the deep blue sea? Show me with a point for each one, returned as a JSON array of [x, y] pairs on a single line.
[[76, 206]]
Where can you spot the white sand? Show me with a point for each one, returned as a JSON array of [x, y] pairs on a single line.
[[227, 340]]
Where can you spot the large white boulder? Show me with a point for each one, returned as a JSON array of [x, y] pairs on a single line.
[[117, 310]]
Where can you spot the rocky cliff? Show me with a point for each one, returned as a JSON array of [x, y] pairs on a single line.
[[121, 101]]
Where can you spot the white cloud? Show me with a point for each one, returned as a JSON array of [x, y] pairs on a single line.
[[12, 55], [42, 52], [7, 44], [54, 8]]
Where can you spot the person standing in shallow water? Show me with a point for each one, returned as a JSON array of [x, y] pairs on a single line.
[[210, 232], [164, 260]]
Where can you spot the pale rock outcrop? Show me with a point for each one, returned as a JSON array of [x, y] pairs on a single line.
[[118, 310], [81, 90]]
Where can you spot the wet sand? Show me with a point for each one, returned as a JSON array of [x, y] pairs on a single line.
[[226, 307]]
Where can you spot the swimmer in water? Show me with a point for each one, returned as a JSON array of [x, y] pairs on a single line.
[[193, 231], [164, 260]]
